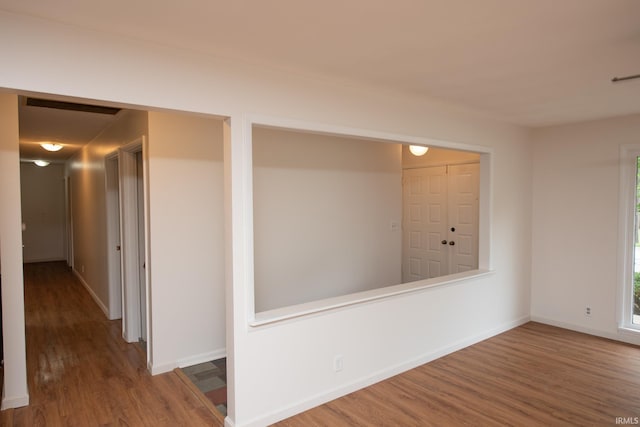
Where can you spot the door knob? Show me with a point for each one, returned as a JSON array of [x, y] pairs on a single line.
[[444, 242], [452, 243]]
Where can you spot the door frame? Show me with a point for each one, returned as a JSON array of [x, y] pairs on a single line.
[[130, 265]]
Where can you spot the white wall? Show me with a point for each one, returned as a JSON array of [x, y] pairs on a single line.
[[14, 392], [575, 222], [187, 240], [323, 208], [279, 369], [88, 200], [42, 195]]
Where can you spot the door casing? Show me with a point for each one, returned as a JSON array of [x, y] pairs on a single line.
[[135, 295]]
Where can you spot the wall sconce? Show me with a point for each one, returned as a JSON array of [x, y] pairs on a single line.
[[41, 163], [51, 146], [418, 150]]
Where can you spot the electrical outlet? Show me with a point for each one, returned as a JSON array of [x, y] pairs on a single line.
[[338, 363], [587, 311]]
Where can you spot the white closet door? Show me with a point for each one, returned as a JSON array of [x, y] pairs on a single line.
[[440, 221], [464, 187], [424, 223]]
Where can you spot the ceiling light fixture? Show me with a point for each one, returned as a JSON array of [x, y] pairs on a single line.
[[41, 163], [418, 150], [51, 146]]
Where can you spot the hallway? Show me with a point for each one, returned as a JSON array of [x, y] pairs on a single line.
[[81, 371]]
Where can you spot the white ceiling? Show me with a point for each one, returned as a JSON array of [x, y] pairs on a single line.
[[529, 62]]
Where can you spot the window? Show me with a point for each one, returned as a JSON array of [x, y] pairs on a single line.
[[629, 239], [635, 309]]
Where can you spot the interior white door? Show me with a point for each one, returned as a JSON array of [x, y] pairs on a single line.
[[440, 221], [113, 237], [129, 245], [463, 190], [141, 247], [424, 223], [69, 219]]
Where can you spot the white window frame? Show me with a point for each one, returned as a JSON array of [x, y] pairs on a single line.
[[626, 236]]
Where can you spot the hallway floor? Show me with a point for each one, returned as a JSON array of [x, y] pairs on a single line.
[[81, 372]]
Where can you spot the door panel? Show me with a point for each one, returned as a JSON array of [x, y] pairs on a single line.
[[141, 247], [129, 245], [424, 223], [113, 237], [440, 204], [464, 187]]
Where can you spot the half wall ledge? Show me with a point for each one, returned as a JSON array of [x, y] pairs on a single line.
[[314, 307]]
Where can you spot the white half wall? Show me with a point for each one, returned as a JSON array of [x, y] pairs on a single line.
[[323, 208], [576, 180], [186, 206], [42, 195], [282, 368]]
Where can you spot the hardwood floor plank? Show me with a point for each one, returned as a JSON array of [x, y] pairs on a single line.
[[82, 373], [534, 375]]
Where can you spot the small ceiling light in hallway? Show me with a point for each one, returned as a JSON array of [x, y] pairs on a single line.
[[418, 150], [51, 146]]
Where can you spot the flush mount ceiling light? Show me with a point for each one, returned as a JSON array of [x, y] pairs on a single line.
[[41, 163], [418, 150], [51, 146]]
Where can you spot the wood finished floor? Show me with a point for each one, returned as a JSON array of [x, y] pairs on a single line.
[[81, 373], [534, 375]]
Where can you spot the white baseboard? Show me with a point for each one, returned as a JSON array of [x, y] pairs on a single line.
[[14, 402], [381, 375], [187, 361], [203, 357], [627, 337], [93, 294], [163, 368], [33, 261]]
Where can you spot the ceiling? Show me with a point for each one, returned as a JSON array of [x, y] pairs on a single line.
[[528, 62], [70, 128]]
